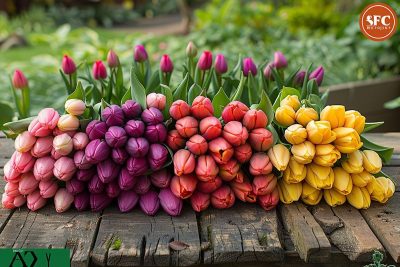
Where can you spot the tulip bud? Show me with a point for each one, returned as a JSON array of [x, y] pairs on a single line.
[[95, 185], [22, 162], [7, 201], [347, 140], [19, 201], [381, 189], [142, 185], [210, 128], [149, 203], [169, 202], [126, 181], [202, 107], [305, 115], [26, 185], [235, 133], [112, 189], [43, 169], [127, 200], [295, 172], [280, 61], [12, 190], [292, 101], [99, 202], [372, 163], [80, 141], [240, 177], [48, 189], [205, 61], [244, 191], [248, 66], [361, 179], [96, 129], [334, 114], [135, 128], [152, 116], [261, 139], [161, 178], [187, 126], [269, 201], [299, 78], [10, 172], [99, 71], [184, 162], [156, 101], [268, 71], [289, 193], [255, 119], [234, 111], [63, 144], [97, 150], [116, 137], [35, 201], [157, 157], [295, 134], [353, 119], [310, 195], [68, 65], [179, 109], [75, 107], [74, 186], [156, 133], [285, 115], [303, 153], [206, 168], [140, 53], [223, 198], [279, 156], [112, 59], [191, 50], [317, 74], [260, 164], [19, 81], [243, 153], [37, 130], [175, 141], [200, 201], [183, 186], [342, 182], [326, 155], [220, 66], [48, 118], [197, 144], [264, 184], [166, 65], [24, 142], [64, 168], [333, 198], [359, 198], [320, 177], [82, 201], [210, 186], [113, 116], [42, 147], [220, 150], [107, 171], [229, 170], [85, 175], [68, 122], [354, 162], [58, 131], [131, 109], [119, 155]]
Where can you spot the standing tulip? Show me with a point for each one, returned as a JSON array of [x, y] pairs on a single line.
[[248, 66], [285, 115], [183, 186], [156, 101], [149, 203], [169, 202], [127, 200], [202, 107], [260, 164], [131, 109], [299, 78], [280, 61], [289, 193], [235, 133], [179, 109], [200, 201], [269, 201], [166, 65], [303, 153], [197, 144], [140, 54], [220, 66], [320, 177], [19, 81], [223, 198], [317, 74], [220, 150], [264, 184], [184, 162], [99, 71], [234, 111], [191, 50], [372, 163], [64, 168], [333, 198], [305, 115], [310, 195], [206, 168], [68, 65], [295, 172], [210, 128], [112, 59], [205, 61], [261, 139], [24, 142], [253, 119]]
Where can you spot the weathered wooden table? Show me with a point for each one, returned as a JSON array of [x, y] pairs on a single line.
[[291, 235]]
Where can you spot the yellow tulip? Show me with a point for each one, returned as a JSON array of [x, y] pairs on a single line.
[[296, 134], [289, 193], [326, 155], [354, 162], [371, 161], [279, 155], [361, 179], [310, 195], [342, 183], [353, 119], [305, 115], [359, 198], [381, 189], [347, 140], [303, 153], [320, 177], [333, 198], [319, 132], [295, 172], [291, 100], [335, 114], [285, 115]]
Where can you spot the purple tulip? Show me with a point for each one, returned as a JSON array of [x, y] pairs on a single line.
[[96, 129], [140, 53], [299, 78], [116, 136], [249, 67], [161, 178], [112, 189], [99, 202], [95, 185], [152, 116], [97, 150], [85, 175], [149, 203], [113, 116], [82, 201], [280, 61], [142, 185], [205, 61], [317, 74], [119, 155], [74, 186], [126, 181], [220, 66], [131, 109], [169, 202], [80, 160], [107, 171], [135, 128], [137, 166], [156, 133], [157, 157], [127, 200], [137, 147]]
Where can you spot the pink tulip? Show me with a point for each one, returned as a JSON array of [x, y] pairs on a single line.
[[48, 189], [253, 119], [68, 123], [269, 201], [42, 147], [68, 65], [48, 118], [235, 133], [55, 155], [210, 186], [244, 191], [140, 53], [202, 107], [19, 80], [234, 111], [11, 189], [156, 101], [261, 139], [260, 164], [205, 61], [64, 168], [220, 66], [197, 144], [99, 71], [206, 168], [184, 162], [166, 65], [24, 142], [243, 153], [112, 59], [7, 201], [264, 184], [19, 201], [280, 61], [63, 200], [10, 174], [183, 186], [223, 197], [200, 201], [36, 129], [210, 128], [28, 184], [43, 169], [80, 141], [220, 150], [35, 201], [23, 162], [63, 144]]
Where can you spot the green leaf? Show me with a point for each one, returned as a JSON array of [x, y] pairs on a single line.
[[372, 125], [393, 104], [238, 93], [79, 93], [127, 96], [384, 152], [153, 85], [20, 125], [277, 78], [166, 90], [274, 134], [304, 87], [219, 102], [181, 91], [137, 89], [252, 87], [284, 93], [194, 91], [266, 106], [312, 87], [324, 98], [237, 67], [6, 114], [289, 80], [315, 102]]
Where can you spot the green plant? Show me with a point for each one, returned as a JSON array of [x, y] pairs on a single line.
[[377, 258]]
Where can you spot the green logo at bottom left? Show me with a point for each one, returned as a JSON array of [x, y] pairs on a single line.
[[36, 257]]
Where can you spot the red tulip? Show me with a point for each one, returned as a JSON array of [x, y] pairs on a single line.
[[202, 107], [223, 198], [197, 145], [264, 184], [244, 191], [210, 128], [175, 141], [205, 61], [220, 150], [255, 119], [235, 133], [183, 186], [261, 139], [229, 170], [269, 201], [260, 164], [184, 162], [19, 80], [68, 65], [187, 126], [243, 153], [200, 201], [234, 111], [206, 168], [179, 109], [166, 64], [99, 71], [210, 186]]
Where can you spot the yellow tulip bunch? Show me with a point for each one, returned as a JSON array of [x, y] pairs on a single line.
[[312, 170]]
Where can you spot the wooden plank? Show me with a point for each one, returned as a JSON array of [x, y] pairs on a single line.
[[46, 228], [145, 239], [384, 221], [6, 148], [307, 236], [394, 173]]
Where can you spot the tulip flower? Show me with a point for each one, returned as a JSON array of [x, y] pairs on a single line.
[[10, 173], [113, 116], [97, 150], [317, 74], [68, 65], [310, 195], [200, 201], [99, 71], [260, 164], [75, 107], [127, 200], [347, 140], [107, 171], [7, 201], [85, 175], [161, 178], [353, 119], [292, 101], [179, 109], [229, 170], [197, 144], [137, 166], [99, 202], [43, 168], [11, 189], [19, 81], [235, 133], [354, 162], [112, 189], [210, 186], [22, 162], [359, 198], [333, 198], [220, 65], [269, 201], [320, 177], [295, 134], [74, 186], [253, 119], [140, 54], [381, 189], [205, 61], [152, 116], [235, 111], [280, 61], [166, 65], [156, 133], [285, 115], [372, 163], [334, 114], [223, 197], [157, 157], [220, 150], [206, 168], [187, 126], [64, 168], [35, 201], [82, 201], [135, 128], [126, 181], [244, 191], [303, 153], [149, 203], [243, 153], [342, 182], [156, 101], [264, 184], [169, 202], [326, 155], [261, 139], [24, 142], [183, 186], [96, 129], [48, 189], [319, 132], [202, 107], [80, 141], [119, 155], [112, 59], [95, 185], [240, 177], [142, 185], [116, 137], [19, 201], [289, 193], [68, 122], [210, 128], [299, 78], [48, 118], [175, 141], [184, 162], [37, 130], [305, 115], [42, 147], [131, 109], [191, 50], [63, 144], [279, 155], [27, 184], [295, 172], [248, 66], [361, 179]]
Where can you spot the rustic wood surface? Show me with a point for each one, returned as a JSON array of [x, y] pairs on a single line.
[[292, 235]]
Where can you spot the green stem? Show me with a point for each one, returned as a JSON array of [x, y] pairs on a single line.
[[239, 90], [70, 89], [26, 100], [219, 80]]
